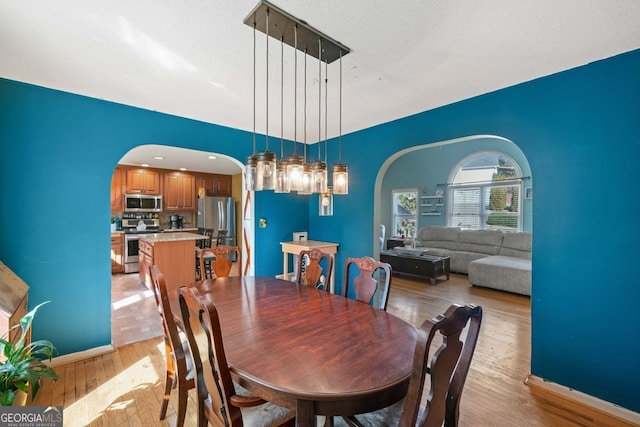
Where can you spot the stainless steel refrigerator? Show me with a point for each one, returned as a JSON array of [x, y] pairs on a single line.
[[218, 213]]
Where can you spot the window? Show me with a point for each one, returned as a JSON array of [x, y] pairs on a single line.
[[484, 192], [405, 212]]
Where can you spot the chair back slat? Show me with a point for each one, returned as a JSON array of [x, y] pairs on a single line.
[[447, 368], [310, 271], [364, 285], [223, 263]]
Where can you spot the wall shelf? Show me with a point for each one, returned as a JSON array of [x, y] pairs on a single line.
[[426, 204]]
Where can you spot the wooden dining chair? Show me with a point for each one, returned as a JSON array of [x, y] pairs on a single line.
[[221, 239], [310, 271], [364, 285], [222, 263], [202, 244], [206, 258], [179, 367], [447, 368], [220, 401]]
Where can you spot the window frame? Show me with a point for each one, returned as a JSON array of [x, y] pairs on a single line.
[[484, 189], [394, 214]]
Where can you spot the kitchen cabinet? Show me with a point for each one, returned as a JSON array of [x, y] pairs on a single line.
[[179, 192], [173, 253], [117, 187], [117, 253], [143, 181], [214, 184]]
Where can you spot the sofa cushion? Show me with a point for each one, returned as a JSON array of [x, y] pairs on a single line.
[[503, 273], [481, 241], [433, 236], [516, 245], [460, 260]]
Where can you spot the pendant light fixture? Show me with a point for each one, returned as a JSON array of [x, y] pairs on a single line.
[[282, 179], [325, 203], [294, 162], [263, 172], [340, 171], [265, 179]]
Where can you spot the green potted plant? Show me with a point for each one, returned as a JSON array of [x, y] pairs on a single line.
[[22, 362]]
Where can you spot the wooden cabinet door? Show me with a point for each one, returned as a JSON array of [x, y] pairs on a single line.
[[188, 192], [143, 181], [171, 196], [117, 253], [205, 181], [145, 260], [179, 192], [223, 185], [117, 185]]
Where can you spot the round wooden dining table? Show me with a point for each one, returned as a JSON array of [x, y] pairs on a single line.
[[309, 350]]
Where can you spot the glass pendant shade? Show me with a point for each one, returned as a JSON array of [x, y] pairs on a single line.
[[294, 173], [266, 171], [325, 203], [251, 170], [340, 179], [306, 180], [319, 177], [282, 180]]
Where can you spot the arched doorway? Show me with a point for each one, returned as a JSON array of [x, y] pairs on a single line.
[[427, 167], [132, 302]]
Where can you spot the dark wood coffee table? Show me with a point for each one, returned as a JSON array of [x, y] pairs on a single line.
[[417, 263]]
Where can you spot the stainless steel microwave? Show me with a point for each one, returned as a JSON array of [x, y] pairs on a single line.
[[142, 203]]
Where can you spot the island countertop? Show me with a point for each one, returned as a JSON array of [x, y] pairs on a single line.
[[171, 237]]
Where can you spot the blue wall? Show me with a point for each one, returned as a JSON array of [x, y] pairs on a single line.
[[579, 130]]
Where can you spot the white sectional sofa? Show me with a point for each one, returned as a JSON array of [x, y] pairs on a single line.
[[491, 258]]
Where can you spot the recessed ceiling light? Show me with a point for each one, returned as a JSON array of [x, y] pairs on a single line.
[[183, 169], [158, 157], [145, 165], [212, 157]]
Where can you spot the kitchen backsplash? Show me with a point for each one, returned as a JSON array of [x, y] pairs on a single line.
[[188, 218]]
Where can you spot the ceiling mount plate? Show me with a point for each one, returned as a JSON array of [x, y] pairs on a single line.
[[281, 26]]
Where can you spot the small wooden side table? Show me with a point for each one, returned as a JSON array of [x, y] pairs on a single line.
[[394, 243], [295, 247]]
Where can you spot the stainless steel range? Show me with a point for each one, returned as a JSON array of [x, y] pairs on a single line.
[[131, 240]]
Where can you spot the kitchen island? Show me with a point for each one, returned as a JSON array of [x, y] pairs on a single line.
[[174, 253]]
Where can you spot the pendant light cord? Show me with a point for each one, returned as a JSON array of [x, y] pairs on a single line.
[[340, 119], [282, 98], [326, 108], [305, 107], [254, 88], [266, 133], [319, 97], [295, 89]]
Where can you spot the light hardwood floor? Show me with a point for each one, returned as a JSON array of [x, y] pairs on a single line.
[[124, 388]]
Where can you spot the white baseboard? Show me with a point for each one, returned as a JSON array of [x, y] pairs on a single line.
[[81, 355], [584, 399]]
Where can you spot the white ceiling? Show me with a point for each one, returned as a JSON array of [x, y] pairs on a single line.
[[194, 58]]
